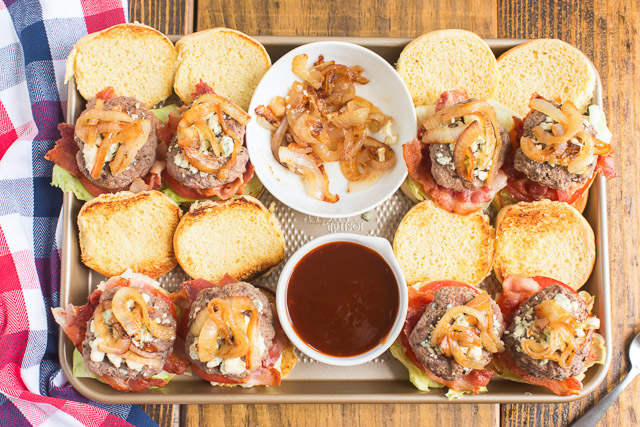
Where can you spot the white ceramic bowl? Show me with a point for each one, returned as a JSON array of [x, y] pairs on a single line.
[[385, 90], [379, 245]]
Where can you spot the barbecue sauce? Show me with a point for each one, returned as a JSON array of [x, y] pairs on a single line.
[[342, 299]]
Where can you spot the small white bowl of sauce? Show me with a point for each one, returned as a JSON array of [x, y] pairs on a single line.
[[342, 298]]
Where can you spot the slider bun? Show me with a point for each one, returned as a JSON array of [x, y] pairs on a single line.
[[239, 237], [434, 244], [550, 67], [544, 238], [448, 59], [229, 61], [126, 230], [134, 59]]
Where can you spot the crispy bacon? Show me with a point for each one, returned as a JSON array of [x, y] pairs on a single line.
[[606, 166], [167, 131], [416, 156], [201, 89], [133, 385], [177, 362], [223, 191], [64, 152], [74, 319], [567, 387], [106, 94], [450, 98]]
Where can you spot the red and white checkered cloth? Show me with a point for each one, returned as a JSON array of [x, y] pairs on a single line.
[[35, 39]]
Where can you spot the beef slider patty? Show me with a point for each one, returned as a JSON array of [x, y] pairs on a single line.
[[159, 312], [432, 357], [265, 324], [554, 176], [444, 172], [189, 176], [524, 315], [144, 159]]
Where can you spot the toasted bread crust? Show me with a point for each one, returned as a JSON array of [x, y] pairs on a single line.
[[448, 59], [541, 66], [239, 237], [127, 230], [433, 244], [135, 59], [544, 238], [206, 55]]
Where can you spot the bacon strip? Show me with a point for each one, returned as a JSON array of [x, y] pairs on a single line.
[[227, 190], [64, 152], [202, 89]]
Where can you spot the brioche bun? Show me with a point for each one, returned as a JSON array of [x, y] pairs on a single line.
[[448, 59], [134, 59], [549, 67], [229, 61], [239, 237], [434, 244], [544, 238], [126, 230]]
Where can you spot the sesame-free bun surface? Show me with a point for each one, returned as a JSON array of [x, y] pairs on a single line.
[[544, 238], [434, 244], [549, 67], [239, 237], [129, 230], [134, 59], [448, 59], [229, 61]]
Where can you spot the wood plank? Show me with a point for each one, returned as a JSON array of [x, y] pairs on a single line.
[[166, 16], [336, 415], [607, 31], [366, 18], [161, 414]]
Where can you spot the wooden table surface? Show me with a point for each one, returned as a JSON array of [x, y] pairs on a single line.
[[606, 30]]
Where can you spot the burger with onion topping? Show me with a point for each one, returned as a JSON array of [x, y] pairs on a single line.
[[451, 334], [207, 156], [125, 334], [232, 336], [558, 154], [550, 339], [457, 156]]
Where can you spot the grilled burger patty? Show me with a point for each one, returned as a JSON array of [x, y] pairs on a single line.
[[144, 159], [159, 312], [432, 358], [190, 177], [554, 176], [265, 327], [545, 368], [446, 175]]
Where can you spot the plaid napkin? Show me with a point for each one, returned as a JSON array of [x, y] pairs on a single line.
[[35, 39]]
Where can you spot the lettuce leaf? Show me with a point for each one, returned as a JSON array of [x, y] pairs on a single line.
[[419, 378], [81, 370], [504, 114], [416, 375], [415, 189], [599, 123], [162, 114], [66, 182]]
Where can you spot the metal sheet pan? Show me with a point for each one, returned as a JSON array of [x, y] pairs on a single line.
[[383, 380]]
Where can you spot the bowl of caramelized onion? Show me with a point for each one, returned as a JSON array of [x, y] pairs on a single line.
[[329, 121]]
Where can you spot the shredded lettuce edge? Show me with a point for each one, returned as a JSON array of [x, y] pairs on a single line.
[[162, 114], [253, 188], [66, 182]]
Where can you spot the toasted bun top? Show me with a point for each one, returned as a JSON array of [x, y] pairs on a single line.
[[549, 67], [239, 237], [544, 238], [126, 230], [434, 244], [229, 61], [134, 59], [448, 59]]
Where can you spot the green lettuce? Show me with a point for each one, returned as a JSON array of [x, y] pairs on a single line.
[[81, 370], [599, 123], [419, 378], [162, 114], [66, 182], [414, 189], [504, 114]]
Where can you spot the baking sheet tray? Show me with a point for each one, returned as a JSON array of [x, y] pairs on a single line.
[[383, 380]]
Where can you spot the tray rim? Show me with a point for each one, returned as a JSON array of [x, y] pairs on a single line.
[[597, 193]]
